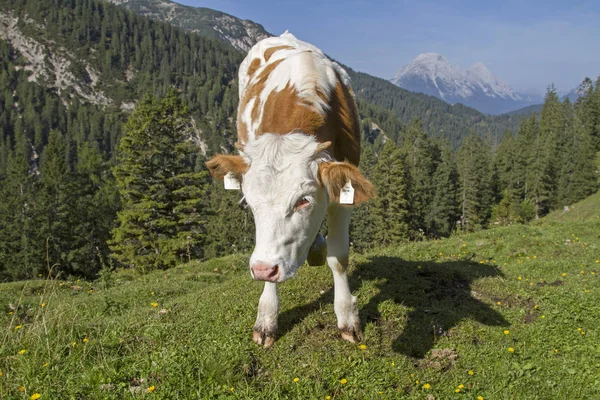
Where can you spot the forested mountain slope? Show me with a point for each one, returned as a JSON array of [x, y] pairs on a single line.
[[242, 34]]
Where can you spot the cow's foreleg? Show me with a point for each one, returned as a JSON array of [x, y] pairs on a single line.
[[338, 249], [266, 321]]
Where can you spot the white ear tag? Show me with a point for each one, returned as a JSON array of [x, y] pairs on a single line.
[[347, 194], [231, 183]]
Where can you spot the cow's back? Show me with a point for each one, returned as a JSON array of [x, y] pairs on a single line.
[[287, 85]]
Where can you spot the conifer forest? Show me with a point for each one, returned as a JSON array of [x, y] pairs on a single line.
[[116, 178]]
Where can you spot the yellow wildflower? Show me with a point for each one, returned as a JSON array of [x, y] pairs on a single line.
[[35, 396], [21, 388], [417, 381], [231, 389], [519, 278], [22, 351], [479, 397], [74, 344], [426, 386], [471, 373], [154, 304], [43, 304], [362, 347], [343, 381], [564, 274], [85, 340], [45, 365], [151, 389], [457, 390], [18, 327], [296, 380], [461, 386], [511, 350], [327, 397], [506, 331], [499, 303]]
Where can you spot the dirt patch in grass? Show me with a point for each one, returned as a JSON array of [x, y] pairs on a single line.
[[439, 360]]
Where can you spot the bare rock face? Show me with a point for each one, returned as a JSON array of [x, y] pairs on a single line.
[[241, 34], [50, 64]]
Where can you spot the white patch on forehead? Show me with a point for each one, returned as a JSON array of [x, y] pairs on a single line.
[[280, 165], [275, 150]]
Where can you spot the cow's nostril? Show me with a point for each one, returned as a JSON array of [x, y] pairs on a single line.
[[264, 272]]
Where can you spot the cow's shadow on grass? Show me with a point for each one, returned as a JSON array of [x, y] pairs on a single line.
[[437, 295]]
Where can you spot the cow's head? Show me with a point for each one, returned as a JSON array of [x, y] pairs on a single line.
[[288, 182]]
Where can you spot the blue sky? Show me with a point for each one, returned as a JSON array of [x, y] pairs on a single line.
[[528, 44]]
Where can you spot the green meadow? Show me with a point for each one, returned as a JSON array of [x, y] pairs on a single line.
[[506, 313]]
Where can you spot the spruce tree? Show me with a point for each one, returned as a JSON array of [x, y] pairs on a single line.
[[164, 200], [444, 212], [363, 225], [390, 208], [420, 161], [538, 182], [475, 196]]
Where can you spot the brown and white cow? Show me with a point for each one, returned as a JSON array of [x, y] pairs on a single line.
[[299, 144]]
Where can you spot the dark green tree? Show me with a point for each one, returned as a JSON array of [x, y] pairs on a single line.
[[390, 208], [363, 224], [164, 200], [421, 157], [445, 211], [475, 196]]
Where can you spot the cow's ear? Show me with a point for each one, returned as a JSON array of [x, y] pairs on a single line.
[[334, 175], [220, 165]]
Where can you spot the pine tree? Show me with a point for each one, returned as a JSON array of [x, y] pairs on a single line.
[[363, 225], [164, 200], [391, 204], [538, 182], [21, 256], [445, 206], [577, 178], [475, 179], [55, 203], [420, 162]]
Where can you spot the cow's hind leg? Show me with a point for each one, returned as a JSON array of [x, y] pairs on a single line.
[[338, 249], [266, 321]]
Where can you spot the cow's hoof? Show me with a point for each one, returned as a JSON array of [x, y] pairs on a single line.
[[352, 334], [263, 338]]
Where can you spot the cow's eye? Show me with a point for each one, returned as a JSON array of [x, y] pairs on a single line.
[[302, 203]]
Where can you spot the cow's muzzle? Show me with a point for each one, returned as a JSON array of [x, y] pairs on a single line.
[[265, 272]]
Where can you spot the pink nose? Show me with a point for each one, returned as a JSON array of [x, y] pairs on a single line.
[[265, 272]]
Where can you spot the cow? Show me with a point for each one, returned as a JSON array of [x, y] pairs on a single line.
[[299, 147]]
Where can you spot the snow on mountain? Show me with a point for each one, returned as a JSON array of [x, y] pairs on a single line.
[[476, 87]]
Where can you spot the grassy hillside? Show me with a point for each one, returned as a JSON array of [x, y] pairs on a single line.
[[586, 209], [502, 314]]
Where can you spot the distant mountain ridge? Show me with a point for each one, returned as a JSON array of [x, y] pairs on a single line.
[[476, 87], [241, 34]]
